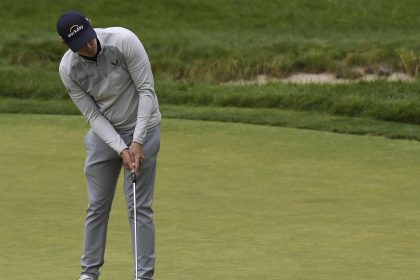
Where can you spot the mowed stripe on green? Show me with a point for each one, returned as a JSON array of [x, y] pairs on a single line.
[[233, 201]]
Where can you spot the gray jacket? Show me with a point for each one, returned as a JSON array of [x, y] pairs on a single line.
[[115, 93]]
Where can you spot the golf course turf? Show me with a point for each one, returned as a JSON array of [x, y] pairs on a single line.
[[232, 201], [238, 200]]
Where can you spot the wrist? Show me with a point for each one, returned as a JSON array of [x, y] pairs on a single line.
[[122, 151]]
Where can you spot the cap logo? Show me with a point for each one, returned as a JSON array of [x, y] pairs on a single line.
[[74, 29]]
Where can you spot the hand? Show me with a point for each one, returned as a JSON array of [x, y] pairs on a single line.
[[137, 155], [128, 161]]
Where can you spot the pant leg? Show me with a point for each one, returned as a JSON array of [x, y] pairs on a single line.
[[144, 198], [102, 169]]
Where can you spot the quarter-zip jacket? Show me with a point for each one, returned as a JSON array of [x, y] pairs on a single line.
[[115, 93]]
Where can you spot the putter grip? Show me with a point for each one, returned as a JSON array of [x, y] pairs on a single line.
[[133, 177]]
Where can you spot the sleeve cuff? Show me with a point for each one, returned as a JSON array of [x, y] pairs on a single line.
[[119, 146]]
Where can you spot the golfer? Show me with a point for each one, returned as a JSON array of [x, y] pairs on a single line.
[[108, 76]]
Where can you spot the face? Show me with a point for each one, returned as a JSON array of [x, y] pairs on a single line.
[[89, 49]]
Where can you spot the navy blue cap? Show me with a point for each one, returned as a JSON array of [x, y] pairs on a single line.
[[75, 29]]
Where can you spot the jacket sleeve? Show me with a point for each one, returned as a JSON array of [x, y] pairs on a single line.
[[139, 68], [100, 125]]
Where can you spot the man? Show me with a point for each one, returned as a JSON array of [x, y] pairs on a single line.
[[108, 76]]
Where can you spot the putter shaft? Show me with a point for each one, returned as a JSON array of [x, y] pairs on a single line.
[[133, 177]]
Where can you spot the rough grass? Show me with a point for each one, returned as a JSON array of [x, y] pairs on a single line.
[[230, 40], [270, 117], [381, 100], [297, 204]]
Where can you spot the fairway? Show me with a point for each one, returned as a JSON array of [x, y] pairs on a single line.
[[232, 201]]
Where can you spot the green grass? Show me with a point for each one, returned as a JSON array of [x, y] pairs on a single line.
[[232, 201], [195, 45], [271, 117], [288, 118], [389, 101], [389, 109], [381, 100], [228, 40]]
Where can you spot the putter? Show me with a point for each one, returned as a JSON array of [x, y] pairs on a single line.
[[133, 177]]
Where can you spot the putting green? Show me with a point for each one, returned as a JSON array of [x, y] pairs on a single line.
[[232, 201]]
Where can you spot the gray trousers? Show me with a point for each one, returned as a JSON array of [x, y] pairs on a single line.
[[102, 168]]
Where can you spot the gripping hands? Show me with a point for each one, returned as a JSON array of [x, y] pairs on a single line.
[[133, 157]]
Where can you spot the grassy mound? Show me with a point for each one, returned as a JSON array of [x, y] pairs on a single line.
[[231, 40]]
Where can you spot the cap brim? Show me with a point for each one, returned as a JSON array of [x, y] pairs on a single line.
[[79, 42]]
